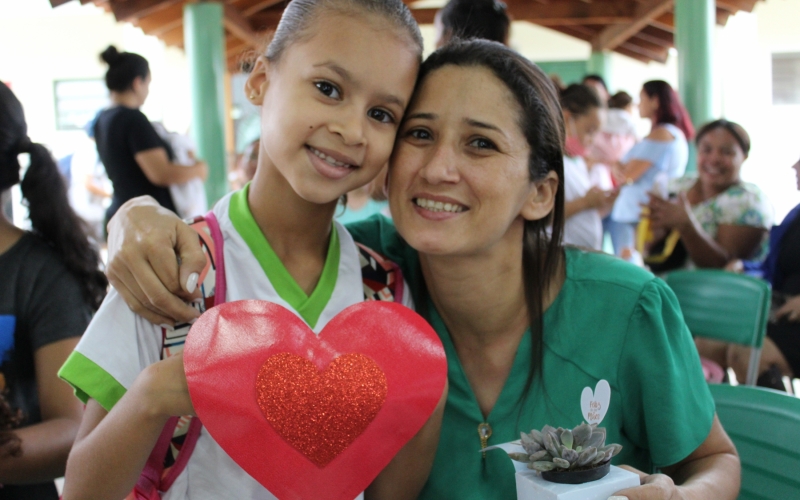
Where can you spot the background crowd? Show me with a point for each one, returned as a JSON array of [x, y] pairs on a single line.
[[623, 194]]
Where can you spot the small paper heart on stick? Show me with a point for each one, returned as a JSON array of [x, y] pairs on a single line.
[[594, 405]]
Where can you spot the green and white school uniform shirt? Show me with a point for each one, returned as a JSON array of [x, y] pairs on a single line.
[[611, 320], [119, 344]]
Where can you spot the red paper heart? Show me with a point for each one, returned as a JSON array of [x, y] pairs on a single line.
[[229, 345], [299, 401]]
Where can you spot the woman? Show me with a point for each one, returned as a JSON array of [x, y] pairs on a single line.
[[780, 353], [137, 159], [474, 190], [51, 284], [661, 156], [585, 204], [719, 217]]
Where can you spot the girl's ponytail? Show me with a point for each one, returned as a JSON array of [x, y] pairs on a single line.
[[53, 220]]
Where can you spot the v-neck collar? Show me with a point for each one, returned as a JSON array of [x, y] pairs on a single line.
[[309, 307], [459, 383], [509, 398]]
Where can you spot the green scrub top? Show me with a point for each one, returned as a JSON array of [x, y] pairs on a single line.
[[612, 321]]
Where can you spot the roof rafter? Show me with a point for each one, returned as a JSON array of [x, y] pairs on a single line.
[[614, 36], [239, 26], [129, 9]]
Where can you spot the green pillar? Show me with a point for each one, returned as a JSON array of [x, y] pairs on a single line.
[[694, 39], [600, 64], [204, 41]]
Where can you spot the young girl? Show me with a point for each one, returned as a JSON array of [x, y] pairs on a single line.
[[585, 203], [330, 112]]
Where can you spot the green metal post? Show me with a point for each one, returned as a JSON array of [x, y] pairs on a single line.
[[694, 36], [600, 64], [204, 41]]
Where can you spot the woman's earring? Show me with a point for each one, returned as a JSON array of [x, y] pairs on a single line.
[[252, 97]]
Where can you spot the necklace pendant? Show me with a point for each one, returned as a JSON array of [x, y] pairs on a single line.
[[484, 433]]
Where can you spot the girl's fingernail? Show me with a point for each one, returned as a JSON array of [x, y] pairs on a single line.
[[617, 497], [191, 282]]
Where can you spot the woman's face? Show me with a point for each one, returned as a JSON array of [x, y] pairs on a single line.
[[647, 105], [459, 177], [719, 159], [141, 87]]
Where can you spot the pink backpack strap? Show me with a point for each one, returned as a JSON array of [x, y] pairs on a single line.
[[382, 278], [153, 479]]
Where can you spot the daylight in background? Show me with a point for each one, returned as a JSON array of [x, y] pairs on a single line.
[[50, 60]]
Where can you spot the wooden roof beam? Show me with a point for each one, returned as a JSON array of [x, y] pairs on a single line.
[[239, 26], [659, 55], [258, 6], [733, 6], [665, 22], [615, 35], [133, 9], [558, 13], [265, 20], [565, 14], [160, 22]]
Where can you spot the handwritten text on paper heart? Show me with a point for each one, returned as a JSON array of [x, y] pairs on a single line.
[[594, 405]]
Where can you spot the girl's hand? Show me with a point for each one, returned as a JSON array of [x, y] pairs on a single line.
[[146, 243], [166, 387], [670, 214], [790, 310], [654, 487]]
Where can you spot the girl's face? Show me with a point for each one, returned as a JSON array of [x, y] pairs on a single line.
[[459, 175], [583, 127], [719, 159], [332, 104], [647, 105]]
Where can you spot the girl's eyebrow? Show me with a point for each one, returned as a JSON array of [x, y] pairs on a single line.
[[346, 76], [343, 73]]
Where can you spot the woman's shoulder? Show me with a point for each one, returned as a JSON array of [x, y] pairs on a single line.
[[604, 271]]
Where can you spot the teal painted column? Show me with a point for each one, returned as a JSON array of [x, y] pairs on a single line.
[[600, 64], [204, 41], [694, 39]]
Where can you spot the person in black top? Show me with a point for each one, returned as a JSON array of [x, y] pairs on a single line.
[[51, 284], [466, 19], [138, 162]]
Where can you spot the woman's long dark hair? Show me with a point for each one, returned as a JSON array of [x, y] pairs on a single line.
[[43, 188], [670, 109], [542, 124]]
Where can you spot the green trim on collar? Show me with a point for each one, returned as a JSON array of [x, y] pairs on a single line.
[[309, 307]]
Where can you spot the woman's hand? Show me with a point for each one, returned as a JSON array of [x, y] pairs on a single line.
[[711, 471], [666, 214], [146, 243], [654, 487], [790, 310]]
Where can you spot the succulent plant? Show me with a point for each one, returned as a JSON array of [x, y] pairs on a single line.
[[566, 449]]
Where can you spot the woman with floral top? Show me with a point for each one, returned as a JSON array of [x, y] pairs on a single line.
[[719, 217]]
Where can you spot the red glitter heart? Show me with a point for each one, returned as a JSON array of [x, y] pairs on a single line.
[[320, 414], [284, 444]]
